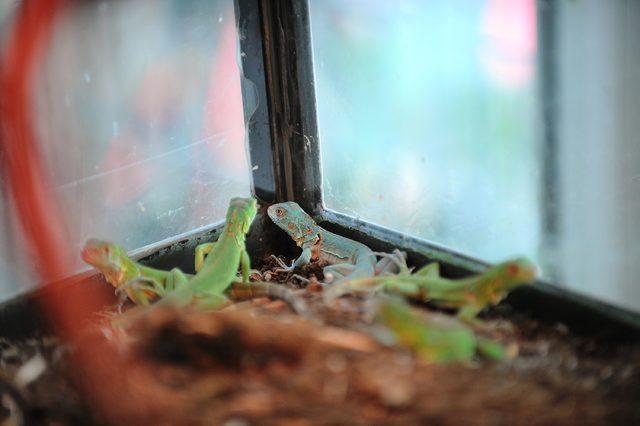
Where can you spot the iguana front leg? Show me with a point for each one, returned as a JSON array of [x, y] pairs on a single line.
[[140, 286], [138, 290], [391, 263], [201, 251], [303, 259], [245, 266], [175, 279]]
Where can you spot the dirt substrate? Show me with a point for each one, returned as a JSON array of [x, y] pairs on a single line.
[[257, 362]]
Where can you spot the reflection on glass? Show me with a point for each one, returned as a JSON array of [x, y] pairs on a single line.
[[139, 112], [434, 102], [430, 120]]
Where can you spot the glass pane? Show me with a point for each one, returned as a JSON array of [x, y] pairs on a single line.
[[435, 101], [431, 123], [139, 111]]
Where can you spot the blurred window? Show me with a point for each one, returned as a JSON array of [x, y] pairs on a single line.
[[139, 113], [433, 122]]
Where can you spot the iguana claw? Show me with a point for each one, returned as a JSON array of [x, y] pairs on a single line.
[[392, 263], [283, 266]]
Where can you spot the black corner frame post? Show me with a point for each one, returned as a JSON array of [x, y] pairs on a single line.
[[278, 91], [254, 99], [288, 63]]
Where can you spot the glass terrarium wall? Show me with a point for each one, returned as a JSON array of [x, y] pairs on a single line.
[[138, 109], [492, 127]]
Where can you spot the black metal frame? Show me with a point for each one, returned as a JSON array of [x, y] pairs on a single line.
[[282, 32], [279, 105]]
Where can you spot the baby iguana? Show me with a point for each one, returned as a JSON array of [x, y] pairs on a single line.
[[348, 259], [214, 274], [220, 267], [144, 284], [470, 295], [141, 283], [434, 339]]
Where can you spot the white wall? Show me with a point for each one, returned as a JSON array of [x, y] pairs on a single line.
[[598, 104]]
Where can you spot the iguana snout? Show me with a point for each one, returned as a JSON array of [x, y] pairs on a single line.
[[98, 253], [290, 217]]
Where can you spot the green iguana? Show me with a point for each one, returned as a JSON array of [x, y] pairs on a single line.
[[348, 259], [121, 272], [470, 295], [220, 267], [353, 267], [143, 283], [435, 339]]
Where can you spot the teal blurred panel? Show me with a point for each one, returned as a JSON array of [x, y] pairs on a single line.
[[428, 117]]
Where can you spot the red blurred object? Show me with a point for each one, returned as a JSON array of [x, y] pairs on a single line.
[[102, 371], [23, 166]]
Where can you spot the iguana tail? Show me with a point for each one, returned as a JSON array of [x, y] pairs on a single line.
[[244, 291]]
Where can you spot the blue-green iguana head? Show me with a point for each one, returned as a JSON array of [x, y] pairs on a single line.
[[294, 221]]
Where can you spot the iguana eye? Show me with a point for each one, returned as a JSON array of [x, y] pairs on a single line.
[[513, 270], [280, 212]]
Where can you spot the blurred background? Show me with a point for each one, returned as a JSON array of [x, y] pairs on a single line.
[[492, 127]]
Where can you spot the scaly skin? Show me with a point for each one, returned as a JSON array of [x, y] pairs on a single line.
[[220, 267], [120, 270], [434, 341], [470, 295], [348, 259]]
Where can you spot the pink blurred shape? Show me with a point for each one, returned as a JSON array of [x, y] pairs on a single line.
[[509, 46]]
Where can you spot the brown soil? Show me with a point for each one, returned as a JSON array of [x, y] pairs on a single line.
[[257, 362]]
